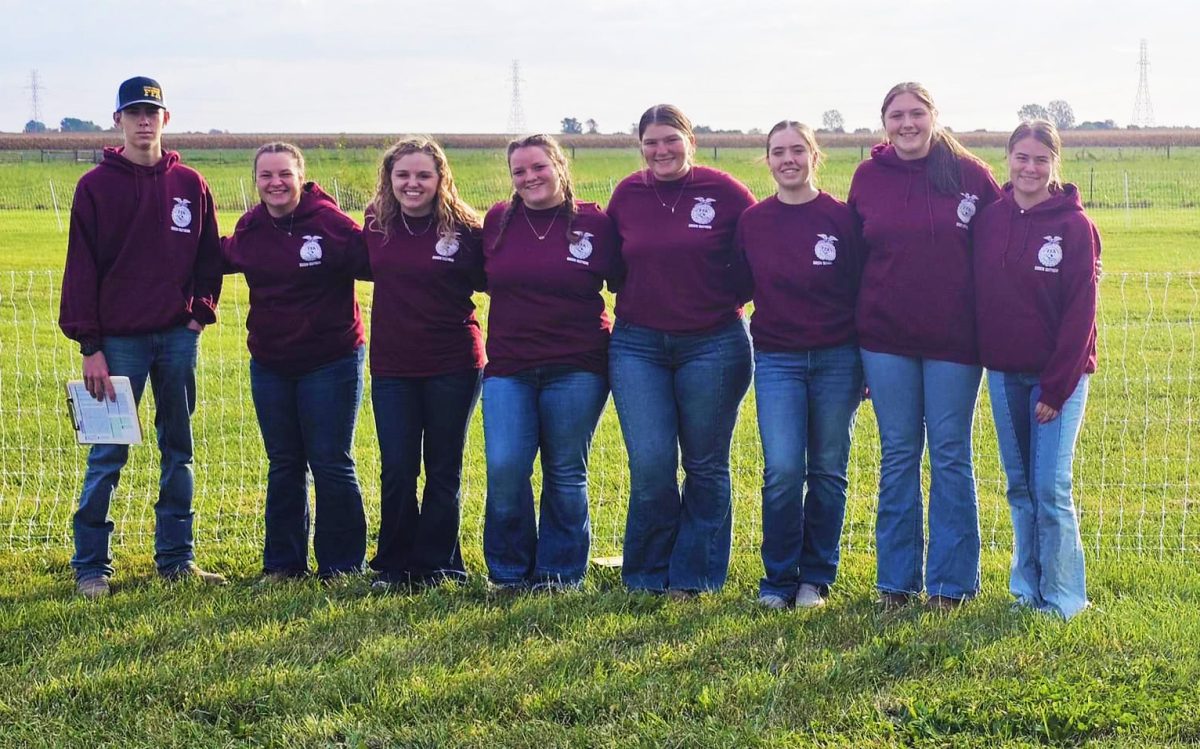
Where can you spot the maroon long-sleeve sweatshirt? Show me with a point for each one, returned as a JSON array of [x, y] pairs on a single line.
[[144, 252], [300, 269], [804, 263], [1035, 290], [916, 297], [422, 318], [681, 273], [546, 306]]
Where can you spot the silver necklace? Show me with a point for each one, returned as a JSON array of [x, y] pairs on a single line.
[[682, 189], [291, 222], [408, 229], [541, 237]]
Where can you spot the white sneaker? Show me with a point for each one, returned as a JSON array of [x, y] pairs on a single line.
[[772, 601], [809, 597]]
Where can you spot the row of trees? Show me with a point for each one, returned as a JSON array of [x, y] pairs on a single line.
[[1058, 111], [67, 125]]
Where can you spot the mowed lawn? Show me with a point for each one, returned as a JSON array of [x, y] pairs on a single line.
[[307, 665]]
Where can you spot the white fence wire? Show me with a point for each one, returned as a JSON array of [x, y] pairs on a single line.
[[1135, 473]]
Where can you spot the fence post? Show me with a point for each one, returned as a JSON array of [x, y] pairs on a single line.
[[337, 195], [1092, 186], [1128, 218], [245, 203], [714, 153], [54, 200]]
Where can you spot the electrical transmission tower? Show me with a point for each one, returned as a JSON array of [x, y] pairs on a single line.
[[1143, 109], [35, 95], [516, 112]]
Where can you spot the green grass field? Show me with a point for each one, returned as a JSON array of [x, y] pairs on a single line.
[[305, 665]]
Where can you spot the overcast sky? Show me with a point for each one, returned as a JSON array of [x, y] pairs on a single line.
[[391, 67]]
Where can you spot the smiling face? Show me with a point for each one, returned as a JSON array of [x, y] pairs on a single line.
[[790, 160], [278, 178], [142, 126], [415, 183], [909, 125], [534, 177], [667, 151], [1031, 167]]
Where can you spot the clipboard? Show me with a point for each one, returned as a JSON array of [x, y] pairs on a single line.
[[104, 422]]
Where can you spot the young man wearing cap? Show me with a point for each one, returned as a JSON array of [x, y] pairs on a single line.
[[142, 279]]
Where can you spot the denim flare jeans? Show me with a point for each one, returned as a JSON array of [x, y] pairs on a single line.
[[1047, 564], [552, 410], [915, 399], [806, 403], [307, 423], [422, 420], [677, 397]]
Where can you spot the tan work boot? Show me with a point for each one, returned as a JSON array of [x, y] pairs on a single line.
[[192, 571]]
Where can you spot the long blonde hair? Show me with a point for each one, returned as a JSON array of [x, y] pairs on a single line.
[[449, 209]]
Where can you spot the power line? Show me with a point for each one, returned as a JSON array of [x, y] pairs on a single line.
[[1143, 109], [516, 112], [35, 89]]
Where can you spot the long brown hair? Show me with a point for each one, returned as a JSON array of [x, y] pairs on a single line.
[[945, 152], [1044, 132], [448, 208], [558, 159]]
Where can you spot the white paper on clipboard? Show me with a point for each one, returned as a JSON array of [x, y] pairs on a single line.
[[104, 422]]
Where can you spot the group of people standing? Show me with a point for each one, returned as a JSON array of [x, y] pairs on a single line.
[[927, 272]]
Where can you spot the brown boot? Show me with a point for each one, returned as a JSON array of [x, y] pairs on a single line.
[[943, 603], [890, 601]]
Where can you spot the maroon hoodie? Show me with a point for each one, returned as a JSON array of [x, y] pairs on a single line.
[[422, 319], [300, 270], [1035, 290], [546, 305], [144, 253], [804, 263], [916, 297], [680, 266]]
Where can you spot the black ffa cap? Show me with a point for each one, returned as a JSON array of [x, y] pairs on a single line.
[[139, 90]]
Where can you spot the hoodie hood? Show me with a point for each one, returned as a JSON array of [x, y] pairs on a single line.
[[885, 155], [1066, 200]]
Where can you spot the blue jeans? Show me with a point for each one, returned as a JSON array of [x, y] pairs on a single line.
[[916, 398], [168, 358], [553, 409], [678, 394], [419, 417], [806, 403], [1047, 565], [307, 423]]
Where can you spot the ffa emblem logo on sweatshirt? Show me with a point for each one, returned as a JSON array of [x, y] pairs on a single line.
[[310, 251], [1050, 255], [825, 249], [581, 248], [446, 246], [181, 216], [966, 209], [703, 213]]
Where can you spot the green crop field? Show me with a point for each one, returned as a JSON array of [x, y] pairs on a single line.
[[307, 665]]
